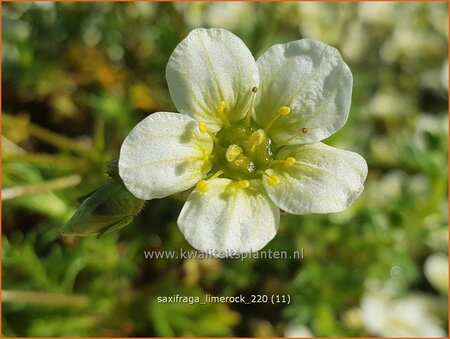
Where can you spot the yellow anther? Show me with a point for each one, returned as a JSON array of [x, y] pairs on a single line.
[[284, 110], [221, 107], [202, 186], [273, 180], [243, 183], [289, 162], [233, 152], [203, 127]]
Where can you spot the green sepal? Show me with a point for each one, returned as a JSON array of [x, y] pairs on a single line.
[[106, 209], [84, 197], [116, 226]]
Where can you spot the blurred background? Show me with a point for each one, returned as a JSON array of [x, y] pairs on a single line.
[[77, 77]]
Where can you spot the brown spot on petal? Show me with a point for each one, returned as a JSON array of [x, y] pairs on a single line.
[[304, 130], [255, 89]]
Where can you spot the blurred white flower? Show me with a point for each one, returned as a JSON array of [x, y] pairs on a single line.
[[324, 21], [294, 330], [354, 45], [385, 190], [429, 78], [436, 271], [141, 9], [411, 41], [389, 103], [377, 13], [411, 316], [437, 15], [436, 125], [192, 12], [228, 15], [437, 229], [444, 75]]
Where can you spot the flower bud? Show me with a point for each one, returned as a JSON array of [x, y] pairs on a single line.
[[108, 208]]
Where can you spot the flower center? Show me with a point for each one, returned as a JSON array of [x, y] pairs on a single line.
[[242, 151]]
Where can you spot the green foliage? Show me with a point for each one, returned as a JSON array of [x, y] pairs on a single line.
[[77, 77]]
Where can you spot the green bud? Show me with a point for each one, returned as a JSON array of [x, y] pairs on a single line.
[[106, 209]]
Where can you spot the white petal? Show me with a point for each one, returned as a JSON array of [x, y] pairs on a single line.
[[227, 219], [310, 78], [163, 155], [436, 271], [210, 66], [324, 179]]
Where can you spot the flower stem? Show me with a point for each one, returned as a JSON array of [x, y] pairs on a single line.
[[59, 140], [52, 138], [46, 186], [46, 160], [29, 297]]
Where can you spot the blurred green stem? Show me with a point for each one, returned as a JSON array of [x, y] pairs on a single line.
[[51, 185], [10, 147], [53, 138], [59, 140], [46, 159], [99, 136], [30, 297]]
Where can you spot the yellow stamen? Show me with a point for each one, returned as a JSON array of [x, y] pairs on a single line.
[[243, 183], [221, 107], [217, 174], [289, 162], [202, 186], [221, 111], [282, 112], [205, 155], [273, 180], [233, 152], [203, 128]]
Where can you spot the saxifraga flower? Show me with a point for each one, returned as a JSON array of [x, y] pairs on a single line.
[[248, 136]]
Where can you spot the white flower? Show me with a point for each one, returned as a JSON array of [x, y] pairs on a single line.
[[228, 14], [377, 13], [294, 330], [436, 271], [411, 316], [324, 21], [248, 137], [444, 74]]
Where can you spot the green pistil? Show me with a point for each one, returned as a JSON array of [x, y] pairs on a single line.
[[241, 151]]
